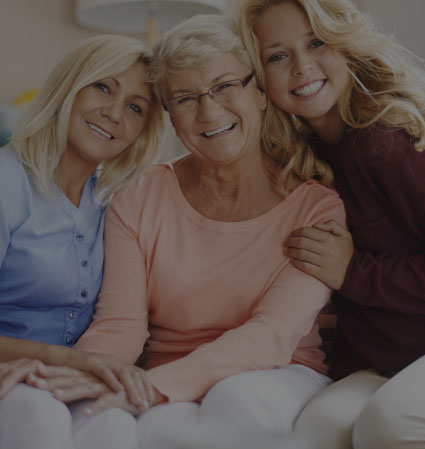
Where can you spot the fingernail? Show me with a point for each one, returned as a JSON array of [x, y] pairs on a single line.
[[58, 392], [145, 404]]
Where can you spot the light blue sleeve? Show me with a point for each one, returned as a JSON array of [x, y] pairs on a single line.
[[15, 198]]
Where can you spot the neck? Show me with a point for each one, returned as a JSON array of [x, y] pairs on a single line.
[[72, 178], [228, 192], [329, 128]]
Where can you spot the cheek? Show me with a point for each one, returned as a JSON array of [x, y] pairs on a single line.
[[276, 85]]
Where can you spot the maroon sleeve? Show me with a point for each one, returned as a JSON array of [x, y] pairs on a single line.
[[393, 280]]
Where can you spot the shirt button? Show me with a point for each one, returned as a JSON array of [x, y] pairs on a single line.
[[72, 314], [85, 263], [84, 293], [79, 237], [68, 340]]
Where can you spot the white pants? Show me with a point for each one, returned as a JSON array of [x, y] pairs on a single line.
[[368, 411], [253, 409], [34, 419]]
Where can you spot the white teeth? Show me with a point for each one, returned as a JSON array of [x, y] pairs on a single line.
[[310, 89], [100, 131], [218, 131]]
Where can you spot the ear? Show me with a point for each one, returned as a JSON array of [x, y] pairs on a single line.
[[263, 100]]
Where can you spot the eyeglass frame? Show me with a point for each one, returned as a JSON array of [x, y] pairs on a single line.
[[243, 81]]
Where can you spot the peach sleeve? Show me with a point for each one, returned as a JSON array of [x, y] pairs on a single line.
[[120, 322]]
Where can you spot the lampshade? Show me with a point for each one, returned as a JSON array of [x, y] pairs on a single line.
[[132, 16]]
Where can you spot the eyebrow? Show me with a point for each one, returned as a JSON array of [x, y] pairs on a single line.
[[279, 43], [140, 97], [214, 81]]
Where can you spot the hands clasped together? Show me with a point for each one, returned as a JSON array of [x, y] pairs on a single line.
[[323, 251], [104, 378]]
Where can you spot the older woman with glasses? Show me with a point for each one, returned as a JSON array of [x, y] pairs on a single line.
[[194, 272]]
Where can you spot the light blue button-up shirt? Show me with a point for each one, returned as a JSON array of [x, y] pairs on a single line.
[[51, 258]]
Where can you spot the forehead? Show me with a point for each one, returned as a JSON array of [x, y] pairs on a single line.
[[283, 21], [134, 80], [220, 68]]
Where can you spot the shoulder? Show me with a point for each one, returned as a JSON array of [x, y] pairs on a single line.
[[12, 172], [318, 203], [153, 179], [381, 143], [15, 188], [148, 189]]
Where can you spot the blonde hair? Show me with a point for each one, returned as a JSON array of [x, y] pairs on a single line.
[[40, 138], [192, 44], [386, 86]]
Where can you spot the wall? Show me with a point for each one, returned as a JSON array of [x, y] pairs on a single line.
[[34, 34]]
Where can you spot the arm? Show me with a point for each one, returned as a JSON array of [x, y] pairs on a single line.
[[271, 336], [393, 278], [267, 340], [16, 203]]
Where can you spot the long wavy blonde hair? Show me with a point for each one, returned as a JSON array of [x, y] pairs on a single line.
[[195, 42], [387, 83], [40, 137]]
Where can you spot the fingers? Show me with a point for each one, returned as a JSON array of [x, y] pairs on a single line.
[[108, 375], [334, 227], [137, 385], [112, 400], [62, 381], [11, 373], [83, 391]]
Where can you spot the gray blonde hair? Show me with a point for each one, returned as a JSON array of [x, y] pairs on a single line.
[[193, 43], [387, 85], [40, 137]]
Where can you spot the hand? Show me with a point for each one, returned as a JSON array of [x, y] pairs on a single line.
[[15, 371], [118, 374], [69, 385], [324, 251]]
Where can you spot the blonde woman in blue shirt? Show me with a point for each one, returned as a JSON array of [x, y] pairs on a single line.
[[94, 126]]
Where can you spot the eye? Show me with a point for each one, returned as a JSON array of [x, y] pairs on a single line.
[[135, 107], [185, 99], [102, 86], [317, 43], [223, 86], [277, 57]]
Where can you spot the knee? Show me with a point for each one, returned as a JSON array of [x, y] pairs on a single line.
[[33, 418], [378, 426], [28, 404]]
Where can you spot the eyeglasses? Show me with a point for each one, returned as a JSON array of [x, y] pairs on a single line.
[[221, 93]]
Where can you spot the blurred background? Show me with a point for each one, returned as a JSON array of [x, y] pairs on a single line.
[[35, 34]]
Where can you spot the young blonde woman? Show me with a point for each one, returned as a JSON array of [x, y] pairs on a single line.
[[92, 128], [360, 100]]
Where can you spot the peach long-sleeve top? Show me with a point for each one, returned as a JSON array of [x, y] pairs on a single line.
[[206, 299]]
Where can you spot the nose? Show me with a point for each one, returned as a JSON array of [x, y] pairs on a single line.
[[302, 63], [112, 110], [208, 108]]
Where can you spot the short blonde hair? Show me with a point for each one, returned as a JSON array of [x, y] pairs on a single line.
[[40, 137], [387, 85], [192, 44]]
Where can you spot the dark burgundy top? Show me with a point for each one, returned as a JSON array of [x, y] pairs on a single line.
[[381, 305]]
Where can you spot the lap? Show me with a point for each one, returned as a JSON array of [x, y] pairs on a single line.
[[252, 406]]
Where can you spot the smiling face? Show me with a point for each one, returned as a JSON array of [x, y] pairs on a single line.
[[218, 133], [303, 75], [107, 116]]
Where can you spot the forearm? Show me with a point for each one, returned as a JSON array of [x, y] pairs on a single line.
[[387, 281], [15, 348]]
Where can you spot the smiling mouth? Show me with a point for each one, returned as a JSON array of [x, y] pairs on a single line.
[[219, 131], [309, 89], [100, 131]]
